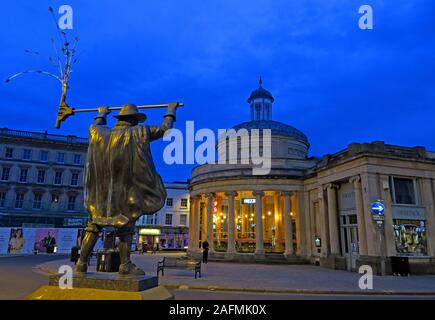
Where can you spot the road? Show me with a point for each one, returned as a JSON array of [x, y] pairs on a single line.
[[17, 279], [231, 295]]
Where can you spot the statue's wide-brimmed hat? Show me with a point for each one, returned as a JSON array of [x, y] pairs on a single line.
[[130, 110]]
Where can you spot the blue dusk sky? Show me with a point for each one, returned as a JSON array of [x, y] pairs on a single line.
[[333, 81]]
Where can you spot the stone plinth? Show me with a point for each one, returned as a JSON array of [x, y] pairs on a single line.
[[109, 281], [103, 286]]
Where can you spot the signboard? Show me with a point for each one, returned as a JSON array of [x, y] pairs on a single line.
[[149, 232], [377, 209], [408, 212], [248, 200]]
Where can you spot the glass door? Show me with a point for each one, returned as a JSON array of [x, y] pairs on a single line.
[[349, 240]]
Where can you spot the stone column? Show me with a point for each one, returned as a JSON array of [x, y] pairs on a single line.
[[277, 215], [210, 199], [231, 222], [370, 185], [288, 224], [389, 245], [324, 224], [191, 222], [195, 239], [356, 181], [428, 201], [333, 218], [302, 233], [308, 224], [259, 242]]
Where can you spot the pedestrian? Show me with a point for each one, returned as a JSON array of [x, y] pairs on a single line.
[[205, 247]]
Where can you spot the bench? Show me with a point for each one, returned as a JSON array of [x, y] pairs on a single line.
[[179, 263]]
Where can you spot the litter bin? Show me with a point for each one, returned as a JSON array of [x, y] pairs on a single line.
[[108, 261], [75, 255], [400, 266]]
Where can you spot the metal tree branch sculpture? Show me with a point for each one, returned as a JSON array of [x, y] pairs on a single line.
[[65, 59]]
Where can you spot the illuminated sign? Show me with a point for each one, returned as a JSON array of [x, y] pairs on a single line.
[[248, 200], [317, 242], [149, 232]]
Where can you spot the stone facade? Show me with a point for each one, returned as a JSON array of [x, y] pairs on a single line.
[[168, 226], [41, 179], [317, 210]]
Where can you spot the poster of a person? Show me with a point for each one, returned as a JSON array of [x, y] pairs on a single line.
[[46, 240], [16, 241]]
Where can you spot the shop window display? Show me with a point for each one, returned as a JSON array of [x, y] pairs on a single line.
[[410, 237]]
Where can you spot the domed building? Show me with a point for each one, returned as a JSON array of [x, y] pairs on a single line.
[[302, 209]]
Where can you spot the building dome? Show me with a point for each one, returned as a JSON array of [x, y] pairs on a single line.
[[277, 128], [287, 142], [260, 93]]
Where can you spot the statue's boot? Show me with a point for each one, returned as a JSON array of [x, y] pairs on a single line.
[[127, 267], [88, 244], [130, 268]]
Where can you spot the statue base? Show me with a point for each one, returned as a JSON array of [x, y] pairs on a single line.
[[103, 286]]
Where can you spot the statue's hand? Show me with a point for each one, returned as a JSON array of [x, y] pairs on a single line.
[[103, 111], [172, 108]]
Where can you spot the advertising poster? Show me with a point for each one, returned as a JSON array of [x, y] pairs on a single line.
[[67, 238], [4, 240], [20, 240], [46, 239], [28, 235]]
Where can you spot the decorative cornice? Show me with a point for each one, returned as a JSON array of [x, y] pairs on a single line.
[[355, 179], [330, 186], [258, 193], [231, 194]]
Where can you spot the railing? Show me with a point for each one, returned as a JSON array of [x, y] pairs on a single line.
[[42, 136], [45, 206]]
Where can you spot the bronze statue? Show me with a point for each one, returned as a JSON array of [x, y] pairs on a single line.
[[121, 182]]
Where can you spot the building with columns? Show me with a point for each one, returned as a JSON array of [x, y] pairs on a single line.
[[315, 210]]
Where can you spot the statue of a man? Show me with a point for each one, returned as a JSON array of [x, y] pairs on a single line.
[[121, 182]]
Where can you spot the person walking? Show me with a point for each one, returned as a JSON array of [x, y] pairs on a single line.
[[205, 246]]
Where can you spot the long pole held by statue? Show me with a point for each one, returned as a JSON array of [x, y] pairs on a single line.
[[63, 64]]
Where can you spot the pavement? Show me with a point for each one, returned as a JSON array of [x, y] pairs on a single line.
[[17, 279], [271, 279]]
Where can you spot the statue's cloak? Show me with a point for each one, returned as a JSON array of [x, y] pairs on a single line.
[[121, 182]]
